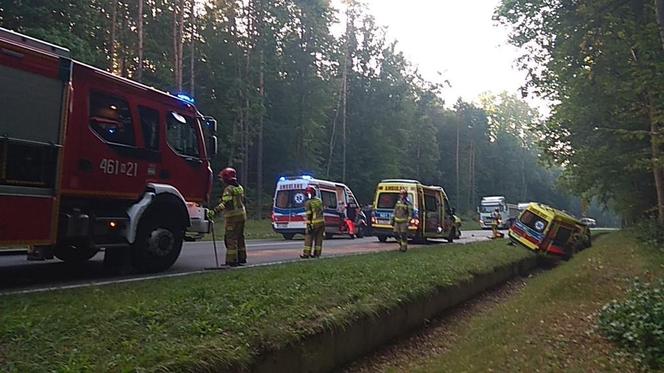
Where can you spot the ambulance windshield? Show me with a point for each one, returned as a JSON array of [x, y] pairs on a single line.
[[387, 200]]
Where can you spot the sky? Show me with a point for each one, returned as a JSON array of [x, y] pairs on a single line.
[[456, 41]]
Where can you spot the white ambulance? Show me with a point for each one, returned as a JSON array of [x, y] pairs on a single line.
[[339, 203]]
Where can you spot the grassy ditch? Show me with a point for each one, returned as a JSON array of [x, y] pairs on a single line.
[[223, 319], [253, 230], [552, 324]]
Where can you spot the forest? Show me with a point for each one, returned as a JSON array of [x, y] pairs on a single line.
[[294, 96]]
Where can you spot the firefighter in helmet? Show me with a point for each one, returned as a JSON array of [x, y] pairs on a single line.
[[495, 222], [315, 224], [403, 210], [232, 206]]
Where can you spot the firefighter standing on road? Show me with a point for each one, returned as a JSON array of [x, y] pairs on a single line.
[[315, 224], [232, 205], [403, 210], [495, 222]]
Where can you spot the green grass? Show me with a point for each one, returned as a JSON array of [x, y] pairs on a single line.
[[469, 223], [223, 318], [253, 230], [551, 324]]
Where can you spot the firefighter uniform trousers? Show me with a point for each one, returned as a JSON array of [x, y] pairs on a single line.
[[235, 215], [314, 238], [314, 220], [402, 213], [236, 249]]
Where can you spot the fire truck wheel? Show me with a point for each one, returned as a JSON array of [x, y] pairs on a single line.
[[158, 244], [75, 250]]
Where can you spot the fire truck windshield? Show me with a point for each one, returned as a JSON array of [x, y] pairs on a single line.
[[182, 134]]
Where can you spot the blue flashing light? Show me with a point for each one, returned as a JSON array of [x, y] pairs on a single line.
[[282, 179], [307, 177], [185, 98]]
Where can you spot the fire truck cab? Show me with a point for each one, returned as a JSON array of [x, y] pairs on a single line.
[[89, 160]]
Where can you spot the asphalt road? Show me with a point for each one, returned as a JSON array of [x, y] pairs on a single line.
[[18, 274]]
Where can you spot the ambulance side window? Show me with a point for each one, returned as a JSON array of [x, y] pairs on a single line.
[[110, 118], [329, 199], [150, 126], [431, 203]]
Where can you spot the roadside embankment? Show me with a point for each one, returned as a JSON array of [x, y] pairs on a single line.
[[550, 324], [311, 315]]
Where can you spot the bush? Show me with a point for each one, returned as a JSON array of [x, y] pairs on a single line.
[[651, 233], [637, 323]]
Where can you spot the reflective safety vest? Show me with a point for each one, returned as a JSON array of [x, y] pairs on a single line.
[[402, 212], [232, 202], [313, 211]]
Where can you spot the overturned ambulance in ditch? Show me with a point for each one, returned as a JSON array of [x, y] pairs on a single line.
[[546, 230]]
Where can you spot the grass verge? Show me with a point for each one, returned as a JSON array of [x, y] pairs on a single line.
[[469, 223], [552, 324], [222, 319], [253, 230]]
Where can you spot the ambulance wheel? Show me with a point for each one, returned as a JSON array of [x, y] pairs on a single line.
[[158, 243], [382, 238], [75, 250], [288, 236]]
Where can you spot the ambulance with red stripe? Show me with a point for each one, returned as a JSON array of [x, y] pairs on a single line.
[[546, 230], [288, 208]]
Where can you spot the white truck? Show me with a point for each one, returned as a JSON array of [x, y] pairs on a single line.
[[508, 211]]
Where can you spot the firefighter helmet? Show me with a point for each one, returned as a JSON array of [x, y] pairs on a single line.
[[310, 191], [228, 174]]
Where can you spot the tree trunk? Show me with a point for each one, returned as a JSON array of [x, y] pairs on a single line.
[[180, 46], [114, 18], [458, 196], [655, 143], [656, 153], [259, 155], [175, 43], [192, 57], [139, 71], [659, 11]]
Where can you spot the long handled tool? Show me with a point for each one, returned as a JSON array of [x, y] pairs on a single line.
[[214, 245]]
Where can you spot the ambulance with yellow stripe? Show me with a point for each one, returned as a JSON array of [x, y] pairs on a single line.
[[433, 217], [288, 206], [546, 230]]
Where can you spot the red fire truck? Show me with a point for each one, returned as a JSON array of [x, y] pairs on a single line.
[[89, 160]]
